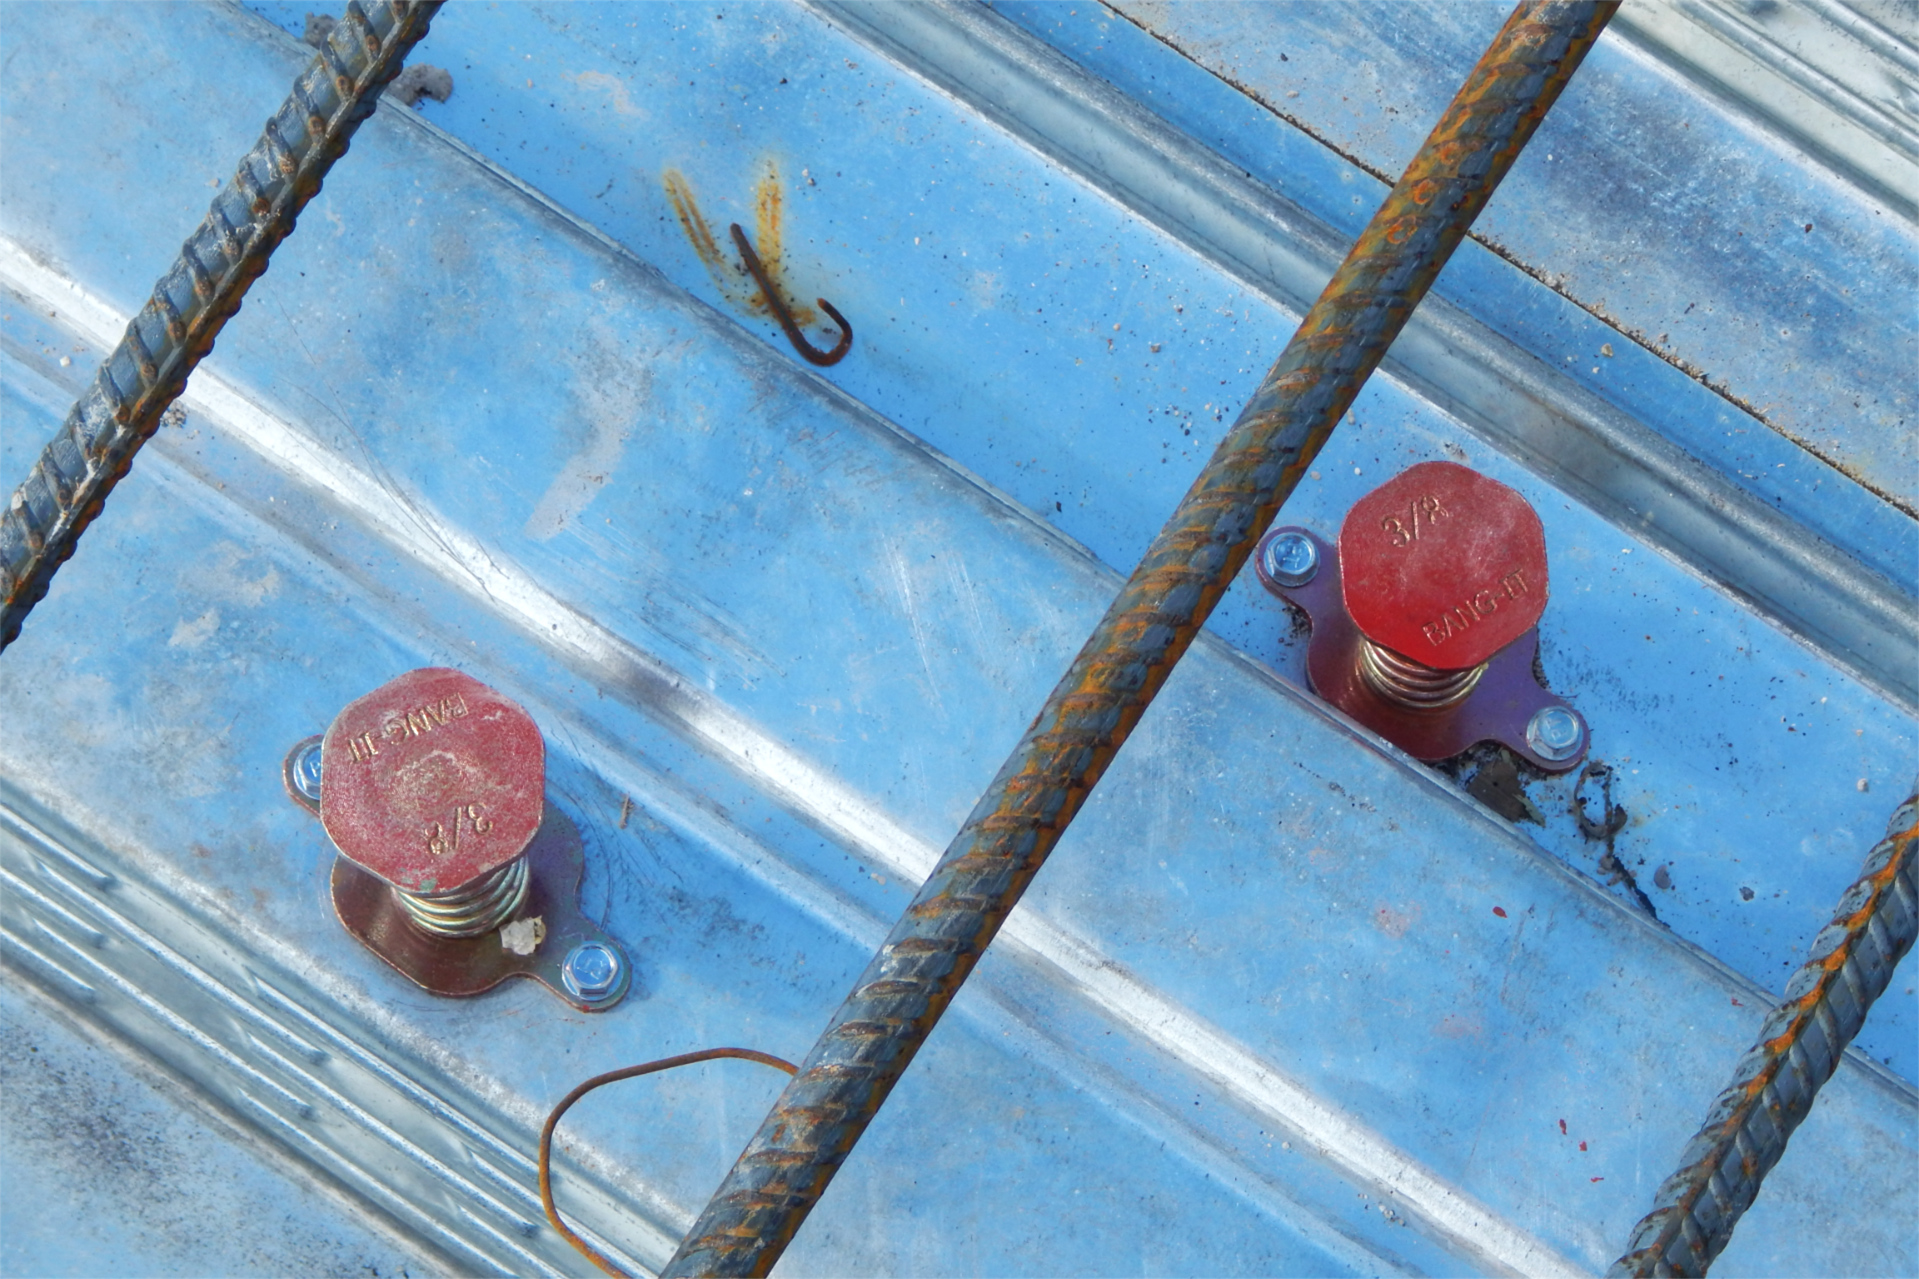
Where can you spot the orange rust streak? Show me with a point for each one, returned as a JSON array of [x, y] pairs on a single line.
[[769, 206], [769, 209], [700, 236], [768, 202]]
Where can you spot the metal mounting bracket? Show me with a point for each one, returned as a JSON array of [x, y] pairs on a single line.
[[1507, 705], [552, 942]]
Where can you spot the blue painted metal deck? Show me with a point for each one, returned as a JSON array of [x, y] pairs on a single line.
[[490, 408]]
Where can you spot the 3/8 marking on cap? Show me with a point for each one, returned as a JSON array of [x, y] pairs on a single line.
[[442, 843], [1428, 560], [1406, 533]]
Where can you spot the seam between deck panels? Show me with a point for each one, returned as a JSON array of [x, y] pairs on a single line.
[[1575, 438], [1545, 278]]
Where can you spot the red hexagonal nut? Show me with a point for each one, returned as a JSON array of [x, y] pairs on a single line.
[[1443, 565], [432, 780]]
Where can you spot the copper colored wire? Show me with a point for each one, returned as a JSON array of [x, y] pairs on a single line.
[[614, 1077]]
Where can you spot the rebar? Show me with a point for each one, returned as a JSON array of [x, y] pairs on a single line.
[[920, 967], [1799, 1046], [199, 293]]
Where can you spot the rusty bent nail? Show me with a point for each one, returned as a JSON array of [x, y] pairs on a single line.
[[810, 353]]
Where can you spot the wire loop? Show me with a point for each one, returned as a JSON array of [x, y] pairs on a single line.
[[614, 1077]]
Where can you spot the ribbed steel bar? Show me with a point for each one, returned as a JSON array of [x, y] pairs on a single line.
[[197, 296], [1192, 561], [1799, 1047]]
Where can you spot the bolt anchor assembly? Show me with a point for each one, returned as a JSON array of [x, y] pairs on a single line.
[[1425, 616], [452, 866]]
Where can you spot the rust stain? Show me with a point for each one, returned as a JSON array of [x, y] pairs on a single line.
[[698, 233], [1093, 710], [769, 203], [769, 207]]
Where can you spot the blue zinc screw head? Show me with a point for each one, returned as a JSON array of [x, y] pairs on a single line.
[[303, 770], [592, 970], [1555, 733], [1291, 558]]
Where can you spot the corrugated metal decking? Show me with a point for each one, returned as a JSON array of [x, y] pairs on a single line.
[[493, 409]]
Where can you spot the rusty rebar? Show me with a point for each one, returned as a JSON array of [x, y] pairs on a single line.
[[1190, 564], [1800, 1045], [199, 293]]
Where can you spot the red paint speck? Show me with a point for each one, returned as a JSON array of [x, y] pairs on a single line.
[[1737, 1004], [1500, 911], [1598, 1178], [1582, 1145], [1562, 1128]]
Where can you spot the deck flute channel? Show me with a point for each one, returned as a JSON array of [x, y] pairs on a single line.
[[1800, 1045], [200, 292], [930, 952]]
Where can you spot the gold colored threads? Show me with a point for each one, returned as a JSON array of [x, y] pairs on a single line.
[[1414, 685]]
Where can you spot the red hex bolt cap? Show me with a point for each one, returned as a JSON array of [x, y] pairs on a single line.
[[1443, 565], [432, 780]]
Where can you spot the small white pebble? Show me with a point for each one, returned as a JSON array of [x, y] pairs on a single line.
[[65, 362], [523, 936], [1356, 471], [1863, 786], [1606, 350], [1315, 474]]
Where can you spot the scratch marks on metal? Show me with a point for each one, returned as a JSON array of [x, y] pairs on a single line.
[[910, 604], [193, 634]]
